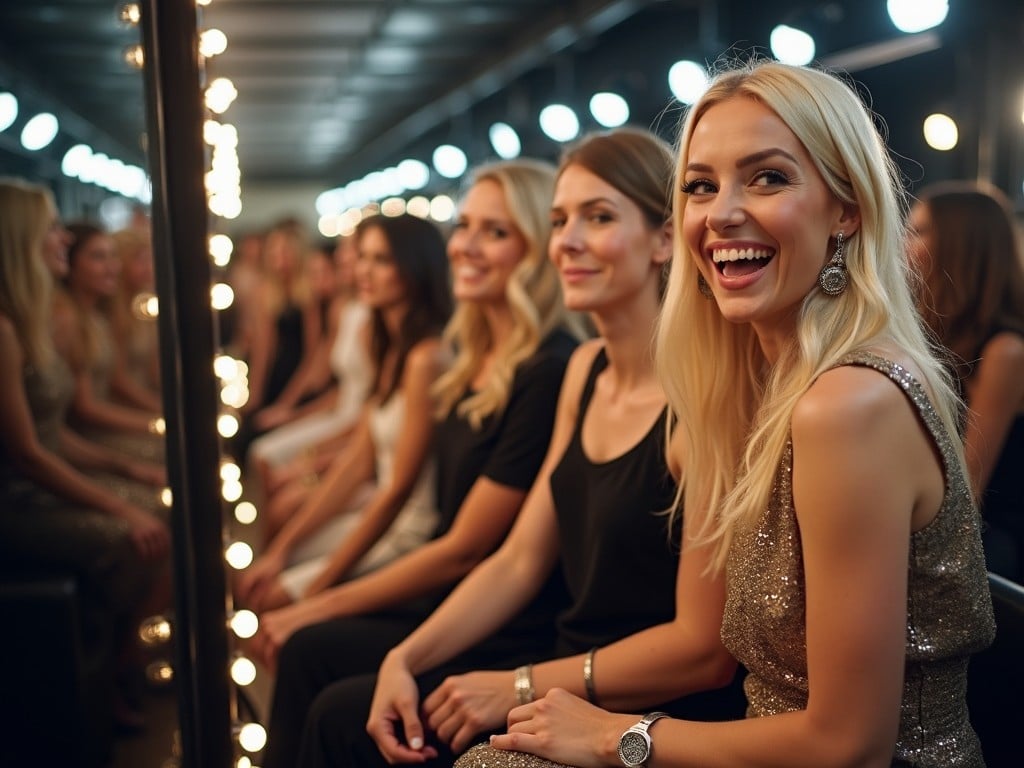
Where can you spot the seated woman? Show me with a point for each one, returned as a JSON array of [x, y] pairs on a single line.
[[497, 402], [133, 324], [966, 247], [347, 528], [51, 515], [289, 459], [830, 541], [596, 505], [85, 339]]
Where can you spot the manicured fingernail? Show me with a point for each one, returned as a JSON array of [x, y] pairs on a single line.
[[416, 742]]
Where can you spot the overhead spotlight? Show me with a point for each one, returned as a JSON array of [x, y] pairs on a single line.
[[688, 80], [791, 45], [940, 132], [505, 141], [450, 161], [413, 174], [130, 14], [8, 110], [39, 131], [917, 15], [559, 122], [75, 159], [442, 208], [609, 109]]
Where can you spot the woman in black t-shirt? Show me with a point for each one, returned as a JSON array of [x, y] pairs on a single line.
[[497, 405]]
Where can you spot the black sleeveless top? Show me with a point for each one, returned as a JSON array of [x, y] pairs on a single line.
[[618, 559]]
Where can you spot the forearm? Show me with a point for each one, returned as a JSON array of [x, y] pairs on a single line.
[[107, 415], [428, 568], [649, 667], [134, 394], [374, 522], [320, 404], [87, 455], [483, 602], [329, 499], [53, 473]]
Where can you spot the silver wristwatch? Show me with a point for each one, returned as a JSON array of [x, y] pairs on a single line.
[[635, 743]]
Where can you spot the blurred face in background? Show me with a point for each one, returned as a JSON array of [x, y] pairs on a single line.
[[137, 269], [377, 275], [485, 246], [56, 240], [321, 275], [95, 270]]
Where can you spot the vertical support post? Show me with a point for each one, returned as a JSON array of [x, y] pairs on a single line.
[[176, 160]]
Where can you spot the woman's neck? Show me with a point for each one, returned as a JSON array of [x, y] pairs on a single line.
[[628, 335]]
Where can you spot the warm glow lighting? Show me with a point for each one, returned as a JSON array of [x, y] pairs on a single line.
[[243, 762], [442, 208], [39, 131], [166, 497], [791, 45], [221, 296], [687, 80], [230, 472], [212, 42], [227, 425], [221, 248], [239, 555], [252, 737], [917, 15], [940, 132], [450, 161], [609, 109], [418, 206], [155, 630], [130, 14], [244, 623], [135, 56], [225, 366], [159, 672], [393, 206], [235, 394], [559, 122], [245, 513], [8, 110], [243, 671], [220, 94], [505, 141]]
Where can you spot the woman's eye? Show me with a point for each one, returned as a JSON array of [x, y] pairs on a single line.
[[557, 223], [698, 187], [770, 177]]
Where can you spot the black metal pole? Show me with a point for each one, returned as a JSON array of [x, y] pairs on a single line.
[[176, 161]]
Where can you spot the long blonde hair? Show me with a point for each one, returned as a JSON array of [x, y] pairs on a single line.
[[533, 293], [736, 417], [25, 282]]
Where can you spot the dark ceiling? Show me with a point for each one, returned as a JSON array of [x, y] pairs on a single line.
[[329, 90]]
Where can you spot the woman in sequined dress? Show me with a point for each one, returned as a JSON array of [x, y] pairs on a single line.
[[51, 514], [829, 525]]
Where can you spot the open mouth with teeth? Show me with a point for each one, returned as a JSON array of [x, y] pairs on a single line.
[[736, 262]]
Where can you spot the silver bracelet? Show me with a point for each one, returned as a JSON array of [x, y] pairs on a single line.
[[588, 676], [523, 681]]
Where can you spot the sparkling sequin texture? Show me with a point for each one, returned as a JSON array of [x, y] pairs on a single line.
[[949, 610], [486, 756]]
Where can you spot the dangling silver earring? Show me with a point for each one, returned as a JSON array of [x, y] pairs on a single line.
[[703, 287], [833, 276]]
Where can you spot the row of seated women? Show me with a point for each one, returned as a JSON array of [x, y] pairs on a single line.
[[80, 462], [492, 533]]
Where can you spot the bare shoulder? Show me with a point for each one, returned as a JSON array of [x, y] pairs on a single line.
[[1005, 349], [851, 402], [426, 356]]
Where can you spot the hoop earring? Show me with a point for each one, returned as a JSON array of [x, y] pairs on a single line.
[[703, 287], [833, 276]]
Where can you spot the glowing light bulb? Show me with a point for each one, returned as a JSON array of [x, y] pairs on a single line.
[[244, 623], [252, 737], [155, 630], [243, 671], [227, 425], [245, 513], [239, 555]]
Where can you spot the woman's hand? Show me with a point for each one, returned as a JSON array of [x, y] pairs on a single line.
[[259, 579], [566, 729], [150, 536], [464, 705], [396, 702], [276, 627]]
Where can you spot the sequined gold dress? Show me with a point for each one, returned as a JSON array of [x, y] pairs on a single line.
[[949, 610]]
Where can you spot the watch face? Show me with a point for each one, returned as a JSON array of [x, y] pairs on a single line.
[[634, 748]]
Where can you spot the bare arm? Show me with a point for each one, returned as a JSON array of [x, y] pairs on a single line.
[[422, 367], [996, 397], [129, 391]]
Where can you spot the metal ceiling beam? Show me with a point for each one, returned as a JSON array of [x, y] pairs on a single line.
[[554, 33]]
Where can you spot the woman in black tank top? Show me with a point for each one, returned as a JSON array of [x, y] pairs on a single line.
[[596, 503]]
